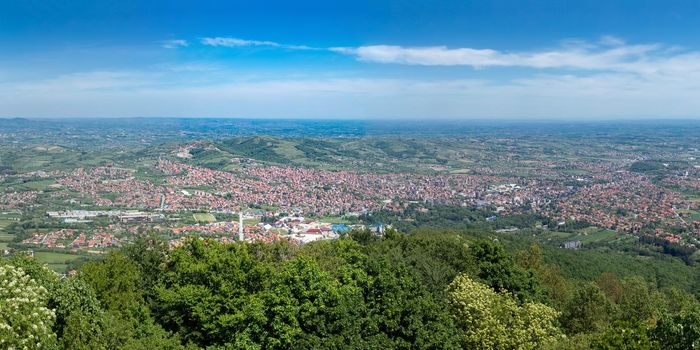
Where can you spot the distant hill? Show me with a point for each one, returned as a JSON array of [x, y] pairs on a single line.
[[368, 153]]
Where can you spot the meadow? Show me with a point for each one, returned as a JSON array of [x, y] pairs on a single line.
[[204, 217], [57, 261]]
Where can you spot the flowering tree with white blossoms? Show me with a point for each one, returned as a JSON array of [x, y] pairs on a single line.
[[25, 321]]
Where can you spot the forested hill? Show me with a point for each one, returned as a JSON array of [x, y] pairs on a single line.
[[368, 153], [426, 290]]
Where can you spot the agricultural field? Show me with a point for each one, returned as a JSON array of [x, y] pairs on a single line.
[[204, 217], [37, 185], [334, 220], [692, 214], [6, 219], [586, 236], [57, 261], [251, 221], [4, 223]]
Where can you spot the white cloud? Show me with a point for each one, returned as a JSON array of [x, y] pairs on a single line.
[[174, 44], [610, 40], [233, 42], [620, 57], [604, 95], [236, 42], [610, 54]]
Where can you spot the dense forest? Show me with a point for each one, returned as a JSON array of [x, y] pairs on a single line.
[[430, 289]]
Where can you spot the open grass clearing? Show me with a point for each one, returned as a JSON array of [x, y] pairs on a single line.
[[334, 220], [694, 214], [39, 185], [6, 237], [204, 217], [594, 236], [55, 258], [4, 223], [60, 268], [251, 221]]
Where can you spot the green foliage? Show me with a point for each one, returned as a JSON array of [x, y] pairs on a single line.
[[588, 265], [639, 302], [588, 310], [210, 293], [117, 283], [492, 320], [363, 236], [120, 289], [679, 331], [436, 258], [78, 315], [222, 295], [148, 253], [625, 336], [37, 271], [498, 269], [427, 290], [400, 308]]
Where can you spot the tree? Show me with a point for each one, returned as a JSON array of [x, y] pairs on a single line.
[[611, 286], [148, 252], [25, 321], [117, 283], [492, 320], [395, 304], [433, 256], [306, 308], [679, 331], [588, 310], [555, 285], [78, 316], [556, 288], [363, 236], [677, 301], [400, 311], [625, 335], [498, 270], [210, 294], [639, 302], [531, 258], [119, 287]]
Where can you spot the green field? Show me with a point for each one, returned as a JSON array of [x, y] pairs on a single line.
[[251, 221], [694, 214], [279, 231], [334, 220], [587, 235], [56, 261], [4, 223], [39, 185], [592, 235], [204, 217], [6, 237]]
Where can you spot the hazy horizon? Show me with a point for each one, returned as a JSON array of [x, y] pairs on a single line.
[[351, 60], [480, 120]]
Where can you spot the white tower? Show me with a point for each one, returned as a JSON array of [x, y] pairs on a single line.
[[240, 226]]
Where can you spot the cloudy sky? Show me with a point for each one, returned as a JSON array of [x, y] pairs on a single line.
[[461, 59]]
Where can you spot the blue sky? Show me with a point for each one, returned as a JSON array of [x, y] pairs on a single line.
[[513, 59]]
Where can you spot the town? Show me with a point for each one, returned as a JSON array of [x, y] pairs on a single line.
[[99, 207]]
